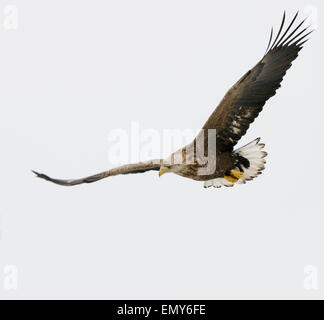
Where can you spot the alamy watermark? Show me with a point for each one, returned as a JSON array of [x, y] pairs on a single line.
[[311, 14], [9, 277], [136, 144], [10, 17], [311, 277]]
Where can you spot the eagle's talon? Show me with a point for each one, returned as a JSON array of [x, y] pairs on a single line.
[[233, 176]]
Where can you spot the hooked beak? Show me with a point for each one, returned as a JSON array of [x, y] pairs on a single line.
[[163, 170]]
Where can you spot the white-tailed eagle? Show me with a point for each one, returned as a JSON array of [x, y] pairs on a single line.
[[211, 156]]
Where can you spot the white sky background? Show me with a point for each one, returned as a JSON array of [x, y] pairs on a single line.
[[75, 70]]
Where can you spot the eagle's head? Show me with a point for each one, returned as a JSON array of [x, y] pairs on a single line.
[[174, 163], [164, 169], [175, 168]]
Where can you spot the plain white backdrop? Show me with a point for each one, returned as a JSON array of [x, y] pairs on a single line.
[[72, 71]]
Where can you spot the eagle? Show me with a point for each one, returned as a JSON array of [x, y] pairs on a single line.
[[211, 156]]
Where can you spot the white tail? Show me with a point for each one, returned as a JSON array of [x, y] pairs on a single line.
[[254, 154]]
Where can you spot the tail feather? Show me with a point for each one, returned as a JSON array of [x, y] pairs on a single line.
[[252, 165], [254, 154]]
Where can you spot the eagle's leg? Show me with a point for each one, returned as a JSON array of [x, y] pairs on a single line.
[[233, 175], [240, 167]]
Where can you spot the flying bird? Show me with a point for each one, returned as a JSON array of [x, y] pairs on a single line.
[[211, 156]]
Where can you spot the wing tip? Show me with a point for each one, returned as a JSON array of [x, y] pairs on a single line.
[[41, 175], [56, 181], [283, 41]]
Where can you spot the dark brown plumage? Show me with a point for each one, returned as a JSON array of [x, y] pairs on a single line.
[[245, 100]]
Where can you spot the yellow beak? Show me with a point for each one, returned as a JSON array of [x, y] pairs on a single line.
[[163, 170]]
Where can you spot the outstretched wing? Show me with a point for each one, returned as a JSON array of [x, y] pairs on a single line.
[[244, 101], [126, 169]]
